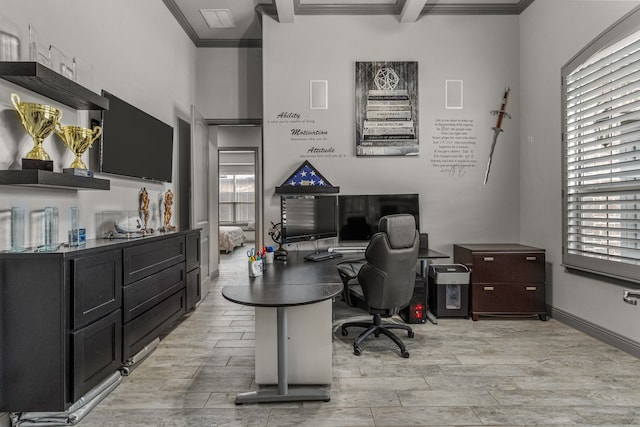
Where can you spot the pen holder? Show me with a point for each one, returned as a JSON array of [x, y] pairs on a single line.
[[268, 258], [255, 268]]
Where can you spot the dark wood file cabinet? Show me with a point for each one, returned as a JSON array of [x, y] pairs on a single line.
[[506, 279]]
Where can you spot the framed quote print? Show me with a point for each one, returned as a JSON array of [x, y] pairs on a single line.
[[386, 108]]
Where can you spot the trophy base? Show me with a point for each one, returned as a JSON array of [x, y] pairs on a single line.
[[167, 228], [78, 172], [43, 165]]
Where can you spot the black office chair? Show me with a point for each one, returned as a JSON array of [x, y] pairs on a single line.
[[387, 277]]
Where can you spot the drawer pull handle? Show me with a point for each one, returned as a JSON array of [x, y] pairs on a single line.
[[488, 288], [488, 258], [531, 258], [530, 288]]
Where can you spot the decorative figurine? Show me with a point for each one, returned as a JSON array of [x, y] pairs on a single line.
[[144, 200], [168, 202]]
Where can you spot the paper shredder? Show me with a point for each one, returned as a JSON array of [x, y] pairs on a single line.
[[449, 290]]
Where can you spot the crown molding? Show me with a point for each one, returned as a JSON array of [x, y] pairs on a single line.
[[346, 9], [182, 20], [228, 43], [472, 9], [234, 122], [523, 4]]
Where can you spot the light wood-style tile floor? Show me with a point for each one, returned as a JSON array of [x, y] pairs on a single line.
[[460, 373]]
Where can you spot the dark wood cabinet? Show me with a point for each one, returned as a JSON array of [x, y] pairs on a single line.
[[72, 317], [506, 279], [193, 285], [97, 353]]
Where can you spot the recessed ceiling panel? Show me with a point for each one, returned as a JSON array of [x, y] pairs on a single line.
[[218, 18]]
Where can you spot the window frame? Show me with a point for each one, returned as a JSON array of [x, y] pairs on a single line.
[[623, 28], [235, 203]]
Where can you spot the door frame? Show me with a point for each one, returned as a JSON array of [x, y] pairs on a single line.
[[258, 186]]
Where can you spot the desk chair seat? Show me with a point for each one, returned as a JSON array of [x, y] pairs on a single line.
[[387, 278], [348, 272]]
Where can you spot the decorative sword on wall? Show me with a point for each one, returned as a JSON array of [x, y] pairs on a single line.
[[501, 113]]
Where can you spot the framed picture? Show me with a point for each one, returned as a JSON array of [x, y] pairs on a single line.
[[386, 108]]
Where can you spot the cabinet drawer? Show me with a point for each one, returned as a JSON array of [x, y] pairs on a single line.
[[507, 297], [144, 294], [193, 288], [146, 327], [148, 258], [97, 353], [498, 267], [97, 286], [193, 251]]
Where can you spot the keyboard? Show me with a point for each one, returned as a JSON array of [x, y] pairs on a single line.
[[322, 256], [348, 249]]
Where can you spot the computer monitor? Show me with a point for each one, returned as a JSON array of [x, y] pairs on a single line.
[[358, 215], [306, 217]]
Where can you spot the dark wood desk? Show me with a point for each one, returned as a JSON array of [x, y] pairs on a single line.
[[283, 285]]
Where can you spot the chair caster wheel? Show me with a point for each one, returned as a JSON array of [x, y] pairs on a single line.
[[357, 351], [410, 334], [404, 354], [344, 332]]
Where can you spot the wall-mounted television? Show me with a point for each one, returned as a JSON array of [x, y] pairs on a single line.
[[358, 215], [134, 143], [308, 217]]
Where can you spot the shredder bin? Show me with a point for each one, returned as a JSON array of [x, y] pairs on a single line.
[[449, 290]]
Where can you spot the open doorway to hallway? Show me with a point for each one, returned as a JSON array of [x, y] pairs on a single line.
[[239, 188]]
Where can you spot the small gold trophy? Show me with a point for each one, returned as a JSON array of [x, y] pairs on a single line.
[[78, 140], [39, 121]]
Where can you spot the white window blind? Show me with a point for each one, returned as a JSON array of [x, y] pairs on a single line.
[[601, 97]]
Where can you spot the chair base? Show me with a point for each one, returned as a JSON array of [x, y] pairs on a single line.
[[376, 328]]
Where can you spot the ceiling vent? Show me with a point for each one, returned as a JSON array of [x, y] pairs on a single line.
[[218, 18]]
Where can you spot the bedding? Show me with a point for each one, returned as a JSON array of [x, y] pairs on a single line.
[[229, 237]]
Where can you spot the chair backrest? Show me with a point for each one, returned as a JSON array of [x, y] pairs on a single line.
[[388, 277]]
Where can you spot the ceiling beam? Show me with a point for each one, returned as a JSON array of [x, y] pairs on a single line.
[[285, 11], [411, 10]]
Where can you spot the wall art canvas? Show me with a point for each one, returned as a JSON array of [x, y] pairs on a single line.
[[386, 108]]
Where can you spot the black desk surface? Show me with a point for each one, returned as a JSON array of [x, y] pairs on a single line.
[[296, 281]]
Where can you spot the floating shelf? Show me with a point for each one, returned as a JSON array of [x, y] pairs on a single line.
[[298, 189], [40, 178], [40, 79]]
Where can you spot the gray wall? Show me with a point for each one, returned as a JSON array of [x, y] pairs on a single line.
[[229, 83], [455, 206], [139, 53], [549, 37]]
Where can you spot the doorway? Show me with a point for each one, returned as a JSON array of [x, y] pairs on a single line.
[[237, 181], [239, 150]]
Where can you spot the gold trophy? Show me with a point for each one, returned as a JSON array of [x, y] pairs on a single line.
[[39, 121], [78, 140]]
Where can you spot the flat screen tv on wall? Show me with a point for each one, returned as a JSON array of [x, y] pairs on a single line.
[[134, 143]]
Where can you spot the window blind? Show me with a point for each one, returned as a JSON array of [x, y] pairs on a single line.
[[601, 97]]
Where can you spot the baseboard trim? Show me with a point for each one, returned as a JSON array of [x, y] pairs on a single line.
[[609, 337]]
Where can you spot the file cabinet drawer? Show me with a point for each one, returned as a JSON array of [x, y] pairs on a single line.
[[144, 328], [508, 267], [144, 294], [148, 258]]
